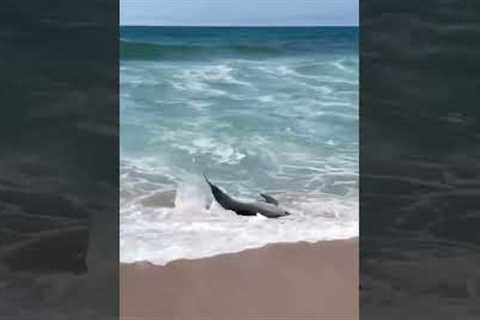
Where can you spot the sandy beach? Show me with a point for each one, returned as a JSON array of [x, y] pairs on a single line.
[[279, 281]]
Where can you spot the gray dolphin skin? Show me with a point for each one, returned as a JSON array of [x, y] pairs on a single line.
[[269, 208], [56, 251]]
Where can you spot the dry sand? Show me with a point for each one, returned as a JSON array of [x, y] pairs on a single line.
[[279, 281]]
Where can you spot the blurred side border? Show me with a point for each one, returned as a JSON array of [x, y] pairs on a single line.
[[59, 176], [419, 159]]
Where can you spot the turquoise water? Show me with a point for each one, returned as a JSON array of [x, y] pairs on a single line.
[[258, 110]]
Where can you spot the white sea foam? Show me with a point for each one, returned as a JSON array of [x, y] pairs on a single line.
[[191, 230], [286, 126]]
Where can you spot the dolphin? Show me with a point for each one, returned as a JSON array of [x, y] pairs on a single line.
[[54, 251], [269, 208]]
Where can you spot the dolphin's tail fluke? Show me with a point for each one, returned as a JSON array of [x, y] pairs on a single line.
[[206, 179], [221, 197]]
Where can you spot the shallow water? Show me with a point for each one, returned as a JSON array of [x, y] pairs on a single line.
[[256, 109]]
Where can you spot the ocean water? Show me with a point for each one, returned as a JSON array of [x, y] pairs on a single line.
[[271, 110]]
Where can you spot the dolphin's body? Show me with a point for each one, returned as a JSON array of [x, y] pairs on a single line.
[[54, 251], [269, 208]]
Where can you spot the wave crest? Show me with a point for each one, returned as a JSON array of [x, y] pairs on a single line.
[[131, 50]]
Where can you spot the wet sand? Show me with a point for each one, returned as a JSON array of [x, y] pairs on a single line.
[[279, 281]]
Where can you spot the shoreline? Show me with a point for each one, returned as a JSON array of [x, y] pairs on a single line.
[[266, 246], [316, 280]]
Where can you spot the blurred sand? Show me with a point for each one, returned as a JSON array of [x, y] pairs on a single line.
[[279, 281]]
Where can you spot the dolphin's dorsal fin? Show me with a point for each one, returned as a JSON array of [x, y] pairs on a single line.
[[269, 199]]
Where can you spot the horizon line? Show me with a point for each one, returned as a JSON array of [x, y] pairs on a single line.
[[238, 26]]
